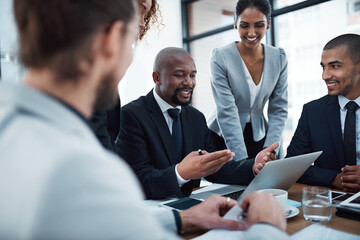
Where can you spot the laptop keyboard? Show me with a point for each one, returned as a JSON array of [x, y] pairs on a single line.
[[234, 195]]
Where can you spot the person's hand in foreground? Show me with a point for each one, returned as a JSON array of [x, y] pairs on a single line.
[[209, 214], [195, 166], [263, 208], [266, 155]]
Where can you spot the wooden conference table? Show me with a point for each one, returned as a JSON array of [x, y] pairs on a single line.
[[298, 222]]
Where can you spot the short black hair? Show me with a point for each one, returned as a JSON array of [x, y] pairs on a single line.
[[262, 5], [352, 43]]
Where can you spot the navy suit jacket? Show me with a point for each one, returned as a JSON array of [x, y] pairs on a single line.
[[319, 129], [145, 143]]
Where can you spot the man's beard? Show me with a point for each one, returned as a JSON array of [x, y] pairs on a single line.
[[174, 99], [107, 95]]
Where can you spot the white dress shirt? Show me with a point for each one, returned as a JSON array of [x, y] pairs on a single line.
[[164, 106], [342, 102]]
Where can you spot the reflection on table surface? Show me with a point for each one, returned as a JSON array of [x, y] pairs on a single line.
[[298, 222]]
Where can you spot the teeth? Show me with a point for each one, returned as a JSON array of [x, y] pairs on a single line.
[[331, 84], [251, 39]]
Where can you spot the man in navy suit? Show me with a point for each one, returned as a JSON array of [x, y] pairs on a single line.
[[145, 138], [322, 122]]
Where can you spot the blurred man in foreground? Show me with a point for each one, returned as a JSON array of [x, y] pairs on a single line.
[[56, 180]]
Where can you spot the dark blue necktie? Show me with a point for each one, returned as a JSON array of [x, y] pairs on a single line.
[[177, 136], [349, 133]]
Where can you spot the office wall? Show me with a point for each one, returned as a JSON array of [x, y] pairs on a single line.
[[138, 79]]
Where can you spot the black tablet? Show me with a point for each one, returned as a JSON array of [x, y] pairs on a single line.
[[353, 201], [182, 203]]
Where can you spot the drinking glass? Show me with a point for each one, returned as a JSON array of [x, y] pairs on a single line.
[[316, 204]]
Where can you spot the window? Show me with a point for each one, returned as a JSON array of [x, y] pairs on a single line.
[[301, 28], [10, 69], [303, 37]]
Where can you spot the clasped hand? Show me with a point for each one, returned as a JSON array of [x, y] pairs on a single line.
[[349, 179]]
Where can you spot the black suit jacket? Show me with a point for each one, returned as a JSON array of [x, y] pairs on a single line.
[[145, 143], [319, 129], [106, 126]]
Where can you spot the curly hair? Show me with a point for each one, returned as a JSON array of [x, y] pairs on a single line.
[[151, 18]]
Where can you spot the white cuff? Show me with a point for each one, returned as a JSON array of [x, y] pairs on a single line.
[[180, 180], [254, 164]]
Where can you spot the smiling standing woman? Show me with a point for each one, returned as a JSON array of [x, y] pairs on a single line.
[[244, 76]]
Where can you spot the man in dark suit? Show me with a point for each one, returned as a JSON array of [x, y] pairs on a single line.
[[323, 122], [106, 126], [147, 138]]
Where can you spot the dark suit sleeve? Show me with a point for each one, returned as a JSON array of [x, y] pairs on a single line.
[[113, 121], [156, 176], [98, 124], [307, 139], [232, 172]]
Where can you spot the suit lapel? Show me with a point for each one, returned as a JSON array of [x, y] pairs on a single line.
[[159, 121], [333, 115], [268, 82], [241, 87]]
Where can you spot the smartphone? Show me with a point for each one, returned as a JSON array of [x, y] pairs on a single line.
[[182, 204], [344, 197], [335, 195], [339, 196]]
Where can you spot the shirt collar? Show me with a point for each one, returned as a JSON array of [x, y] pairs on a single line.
[[71, 108], [164, 106], [343, 101]]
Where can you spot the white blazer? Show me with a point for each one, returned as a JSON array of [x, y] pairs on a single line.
[[232, 98], [58, 182]]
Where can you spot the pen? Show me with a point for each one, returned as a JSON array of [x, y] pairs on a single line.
[[242, 218], [200, 152], [243, 214]]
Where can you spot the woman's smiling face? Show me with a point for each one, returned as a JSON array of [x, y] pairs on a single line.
[[252, 25]]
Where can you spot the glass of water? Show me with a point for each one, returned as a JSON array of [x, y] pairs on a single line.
[[316, 204]]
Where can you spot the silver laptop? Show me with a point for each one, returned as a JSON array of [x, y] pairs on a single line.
[[281, 174]]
